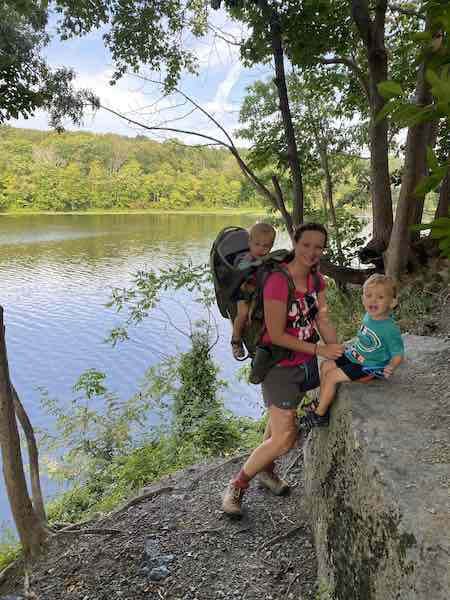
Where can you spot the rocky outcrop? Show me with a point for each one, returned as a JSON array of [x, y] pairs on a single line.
[[378, 483]]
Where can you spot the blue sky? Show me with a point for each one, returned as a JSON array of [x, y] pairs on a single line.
[[219, 86]]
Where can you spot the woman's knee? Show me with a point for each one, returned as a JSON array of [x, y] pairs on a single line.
[[285, 442]]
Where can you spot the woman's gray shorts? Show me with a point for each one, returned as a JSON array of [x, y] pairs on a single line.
[[283, 387]]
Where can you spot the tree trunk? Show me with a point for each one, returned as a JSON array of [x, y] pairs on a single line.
[[443, 206], [417, 209], [372, 34], [32, 532], [410, 205], [325, 204], [345, 274], [329, 196], [38, 501], [280, 81]]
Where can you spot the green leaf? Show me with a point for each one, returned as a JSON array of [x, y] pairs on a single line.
[[429, 183], [422, 36], [440, 87], [432, 161], [409, 114], [389, 89], [421, 226], [387, 110]]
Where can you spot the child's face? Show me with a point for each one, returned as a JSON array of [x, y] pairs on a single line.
[[260, 245], [378, 301]]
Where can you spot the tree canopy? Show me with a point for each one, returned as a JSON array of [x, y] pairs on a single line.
[[27, 83]]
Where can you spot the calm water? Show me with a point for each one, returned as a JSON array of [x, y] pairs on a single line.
[[57, 272]]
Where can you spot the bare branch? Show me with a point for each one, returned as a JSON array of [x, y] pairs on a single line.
[[282, 206], [222, 35], [180, 118], [172, 129], [200, 108], [341, 60], [345, 274]]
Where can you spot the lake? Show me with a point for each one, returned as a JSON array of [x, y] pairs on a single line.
[[57, 272]]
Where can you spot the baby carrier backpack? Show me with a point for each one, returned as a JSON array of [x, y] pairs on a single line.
[[229, 272]]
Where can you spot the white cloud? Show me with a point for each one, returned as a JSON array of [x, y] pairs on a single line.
[[220, 77], [221, 103]]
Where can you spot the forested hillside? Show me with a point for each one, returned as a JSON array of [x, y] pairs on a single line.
[[80, 171]]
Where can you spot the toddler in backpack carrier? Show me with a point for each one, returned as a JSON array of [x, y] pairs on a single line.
[[261, 240]]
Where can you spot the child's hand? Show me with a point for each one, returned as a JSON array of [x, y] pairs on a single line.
[[387, 371]]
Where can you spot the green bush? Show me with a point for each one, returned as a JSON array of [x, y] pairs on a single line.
[[187, 388], [10, 548], [345, 309]]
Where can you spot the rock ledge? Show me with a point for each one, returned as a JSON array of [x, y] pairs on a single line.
[[378, 483]]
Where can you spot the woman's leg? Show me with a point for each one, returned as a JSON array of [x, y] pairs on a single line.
[[280, 436], [283, 434]]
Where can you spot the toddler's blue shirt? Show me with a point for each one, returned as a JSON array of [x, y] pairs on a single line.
[[377, 342]]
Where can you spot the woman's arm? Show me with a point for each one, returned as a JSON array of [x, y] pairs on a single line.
[[275, 318], [326, 328]]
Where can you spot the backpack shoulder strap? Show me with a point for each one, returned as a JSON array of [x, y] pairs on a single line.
[[317, 282], [277, 268]]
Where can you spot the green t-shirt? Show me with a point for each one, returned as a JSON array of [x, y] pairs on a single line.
[[376, 343]]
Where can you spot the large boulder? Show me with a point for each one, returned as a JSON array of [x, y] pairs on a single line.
[[378, 483]]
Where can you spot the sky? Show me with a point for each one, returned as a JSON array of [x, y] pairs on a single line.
[[219, 87]]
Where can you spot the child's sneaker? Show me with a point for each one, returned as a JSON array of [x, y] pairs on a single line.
[[232, 499], [272, 482], [312, 419], [237, 348]]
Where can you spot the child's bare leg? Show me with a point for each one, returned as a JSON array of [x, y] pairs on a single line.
[[328, 384], [325, 366], [240, 320]]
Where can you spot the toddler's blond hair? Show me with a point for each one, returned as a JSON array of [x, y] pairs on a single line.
[[262, 229], [386, 281]]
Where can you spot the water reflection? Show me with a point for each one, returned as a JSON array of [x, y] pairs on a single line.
[[57, 272]]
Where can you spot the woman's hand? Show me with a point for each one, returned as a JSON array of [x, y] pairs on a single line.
[[330, 351]]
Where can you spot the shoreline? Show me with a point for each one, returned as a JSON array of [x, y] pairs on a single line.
[[150, 211]]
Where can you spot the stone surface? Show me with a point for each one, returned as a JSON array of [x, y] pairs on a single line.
[[378, 483]]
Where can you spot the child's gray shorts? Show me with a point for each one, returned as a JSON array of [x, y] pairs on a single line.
[[283, 387]]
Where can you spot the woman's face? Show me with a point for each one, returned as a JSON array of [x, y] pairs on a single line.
[[309, 248]]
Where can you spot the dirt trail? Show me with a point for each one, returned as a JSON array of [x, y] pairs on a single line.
[[181, 535]]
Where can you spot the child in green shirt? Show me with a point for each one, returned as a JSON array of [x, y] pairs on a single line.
[[377, 351]]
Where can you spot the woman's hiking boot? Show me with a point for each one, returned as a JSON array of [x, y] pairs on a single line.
[[272, 482], [232, 500]]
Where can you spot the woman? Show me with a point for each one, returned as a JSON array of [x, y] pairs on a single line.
[[292, 328]]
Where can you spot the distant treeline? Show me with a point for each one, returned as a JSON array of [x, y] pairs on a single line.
[[80, 171]]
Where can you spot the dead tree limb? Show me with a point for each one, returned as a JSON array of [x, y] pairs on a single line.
[[33, 454]]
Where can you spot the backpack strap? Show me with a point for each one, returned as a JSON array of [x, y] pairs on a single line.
[[261, 281], [317, 282]]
